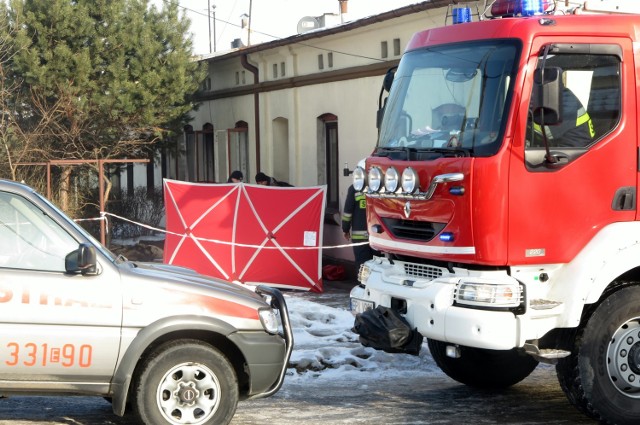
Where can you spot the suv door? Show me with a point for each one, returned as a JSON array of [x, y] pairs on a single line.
[[58, 328]]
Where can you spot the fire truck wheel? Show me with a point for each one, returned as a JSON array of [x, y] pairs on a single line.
[[482, 368], [601, 377], [185, 382]]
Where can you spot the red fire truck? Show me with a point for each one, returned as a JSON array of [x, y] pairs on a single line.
[[503, 195]]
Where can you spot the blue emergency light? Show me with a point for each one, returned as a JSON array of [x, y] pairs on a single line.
[[461, 15], [501, 8], [532, 7], [446, 237]]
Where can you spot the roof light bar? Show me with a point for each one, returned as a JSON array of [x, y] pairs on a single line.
[[519, 7]]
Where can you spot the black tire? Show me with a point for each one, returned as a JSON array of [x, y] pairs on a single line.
[[186, 382], [480, 368], [601, 377]]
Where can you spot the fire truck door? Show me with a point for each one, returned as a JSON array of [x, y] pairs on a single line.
[[560, 197]]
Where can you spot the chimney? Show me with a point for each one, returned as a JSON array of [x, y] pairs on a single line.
[[343, 9], [343, 6]]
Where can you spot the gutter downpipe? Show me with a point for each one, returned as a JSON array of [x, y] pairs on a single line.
[[256, 104]]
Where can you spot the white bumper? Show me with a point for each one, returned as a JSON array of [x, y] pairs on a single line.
[[430, 306]]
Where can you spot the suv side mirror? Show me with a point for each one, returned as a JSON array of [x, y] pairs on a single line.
[[81, 260], [546, 99]]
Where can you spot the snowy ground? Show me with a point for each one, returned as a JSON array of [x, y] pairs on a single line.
[[325, 346]]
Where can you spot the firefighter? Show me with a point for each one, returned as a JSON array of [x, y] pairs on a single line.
[[354, 224], [576, 129]]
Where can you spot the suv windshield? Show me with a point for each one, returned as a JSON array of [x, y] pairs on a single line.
[[450, 99]]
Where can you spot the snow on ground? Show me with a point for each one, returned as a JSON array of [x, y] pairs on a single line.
[[326, 348]]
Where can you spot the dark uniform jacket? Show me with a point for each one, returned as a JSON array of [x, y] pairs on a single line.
[[354, 215]]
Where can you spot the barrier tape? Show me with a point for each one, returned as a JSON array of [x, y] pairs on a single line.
[[103, 216]]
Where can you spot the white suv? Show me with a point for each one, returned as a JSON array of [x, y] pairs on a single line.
[[175, 346]]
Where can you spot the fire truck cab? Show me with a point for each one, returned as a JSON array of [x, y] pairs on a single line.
[[503, 195]]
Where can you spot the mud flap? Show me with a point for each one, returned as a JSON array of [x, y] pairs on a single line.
[[385, 329]]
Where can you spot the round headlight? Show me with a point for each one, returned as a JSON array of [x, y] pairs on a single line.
[[359, 179], [409, 180], [375, 179], [391, 179]]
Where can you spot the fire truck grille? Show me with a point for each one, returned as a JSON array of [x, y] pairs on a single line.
[[422, 271], [422, 231]]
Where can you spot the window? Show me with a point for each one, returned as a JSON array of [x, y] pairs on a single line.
[[384, 49], [237, 78], [280, 137], [206, 84], [330, 59], [588, 106], [328, 159], [239, 150], [190, 142], [320, 62], [243, 78], [332, 171], [282, 69], [469, 87], [396, 47], [29, 239], [275, 71], [200, 155]]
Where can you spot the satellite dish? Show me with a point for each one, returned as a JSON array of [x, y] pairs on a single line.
[[307, 23]]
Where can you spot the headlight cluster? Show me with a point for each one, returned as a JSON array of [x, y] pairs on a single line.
[[388, 182], [269, 320], [363, 274], [492, 295]]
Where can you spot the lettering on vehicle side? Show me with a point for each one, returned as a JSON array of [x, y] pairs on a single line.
[[32, 354], [535, 252], [24, 296]]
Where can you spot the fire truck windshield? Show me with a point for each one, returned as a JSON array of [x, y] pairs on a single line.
[[450, 98]]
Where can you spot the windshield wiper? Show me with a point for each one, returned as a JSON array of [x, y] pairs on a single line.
[[389, 151], [459, 151], [410, 152]]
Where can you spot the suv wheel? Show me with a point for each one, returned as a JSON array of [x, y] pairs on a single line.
[[186, 382]]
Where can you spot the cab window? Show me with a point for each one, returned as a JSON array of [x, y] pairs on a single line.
[[589, 103]]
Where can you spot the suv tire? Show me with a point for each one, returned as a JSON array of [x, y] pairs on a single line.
[[186, 382]]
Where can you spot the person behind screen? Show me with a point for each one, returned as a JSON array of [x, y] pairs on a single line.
[[235, 177], [264, 180]]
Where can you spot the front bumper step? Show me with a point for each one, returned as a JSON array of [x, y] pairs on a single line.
[[546, 355]]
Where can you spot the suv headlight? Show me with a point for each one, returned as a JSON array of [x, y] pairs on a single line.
[[495, 295], [269, 320], [359, 179]]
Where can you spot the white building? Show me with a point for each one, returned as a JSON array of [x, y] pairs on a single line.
[[300, 108]]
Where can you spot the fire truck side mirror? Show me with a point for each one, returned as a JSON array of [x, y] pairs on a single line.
[[388, 79], [380, 114], [386, 86], [546, 99]]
